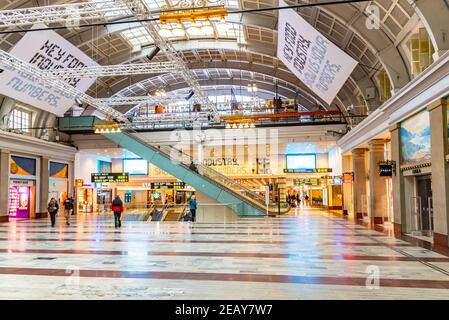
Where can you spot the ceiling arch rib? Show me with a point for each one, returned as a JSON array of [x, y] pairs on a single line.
[[222, 58], [360, 75], [209, 76]]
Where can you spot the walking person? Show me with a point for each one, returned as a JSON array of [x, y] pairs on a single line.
[[192, 207], [68, 208], [117, 207], [53, 208]]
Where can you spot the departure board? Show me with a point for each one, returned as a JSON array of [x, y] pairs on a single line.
[[111, 177]]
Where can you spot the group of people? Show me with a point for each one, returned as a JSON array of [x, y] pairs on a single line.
[[53, 209], [117, 208], [294, 199]]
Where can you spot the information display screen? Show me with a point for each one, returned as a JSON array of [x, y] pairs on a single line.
[[135, 166], [109, 177], [300, 161], [167, 185]]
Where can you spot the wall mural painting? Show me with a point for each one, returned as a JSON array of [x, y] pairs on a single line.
[[415, 138]]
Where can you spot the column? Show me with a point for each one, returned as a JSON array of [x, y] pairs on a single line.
[[282, 185], [377, 184], [4, 185], [346, 188], [399, 210], [359, 185], [44, 188], [440, 170]]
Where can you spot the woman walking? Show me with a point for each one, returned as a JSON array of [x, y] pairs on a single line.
[[53, 208]]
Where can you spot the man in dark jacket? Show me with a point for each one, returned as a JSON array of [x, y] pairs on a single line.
[[68, 208], [117, 207], [53, 208]]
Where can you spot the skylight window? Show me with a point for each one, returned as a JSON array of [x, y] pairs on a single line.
[[110, 9], [138, 37]]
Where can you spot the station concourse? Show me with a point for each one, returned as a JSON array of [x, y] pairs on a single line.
[[224, 150]]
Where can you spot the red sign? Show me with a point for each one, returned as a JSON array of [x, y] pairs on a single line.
[[348, 177]]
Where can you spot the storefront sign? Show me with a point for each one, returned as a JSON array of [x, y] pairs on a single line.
[[387, 168], [348, 177], [45, 50], [315, 60], [21, 183], [220, 162], [79, 182], [112, 177], [317, 170]]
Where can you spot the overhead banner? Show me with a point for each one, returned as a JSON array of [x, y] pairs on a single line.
[[45, 50], [316, 61]]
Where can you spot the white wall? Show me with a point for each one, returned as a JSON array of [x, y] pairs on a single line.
[[335, 161], [87, 163]]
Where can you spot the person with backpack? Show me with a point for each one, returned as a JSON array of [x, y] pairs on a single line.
[[192, 206], [68, 208], [117, 207], [53, 208]]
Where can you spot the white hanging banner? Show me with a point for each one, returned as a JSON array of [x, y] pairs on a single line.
[[315, 60], [45, 50]]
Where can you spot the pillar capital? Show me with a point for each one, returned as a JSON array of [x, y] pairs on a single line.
[[394, 127], [376, 143], [359, 151], [437, 103]]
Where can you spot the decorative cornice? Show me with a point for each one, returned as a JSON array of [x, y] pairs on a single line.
[[20, 143], [431, 85], [423, 164]]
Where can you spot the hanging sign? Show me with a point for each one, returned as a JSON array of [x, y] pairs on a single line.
[[111, 177], [316, 61], [45, 50]]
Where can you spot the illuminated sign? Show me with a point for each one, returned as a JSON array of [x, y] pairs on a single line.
[[317, 170], [168, 185], [79, 182], [109, 177], [348, 177]]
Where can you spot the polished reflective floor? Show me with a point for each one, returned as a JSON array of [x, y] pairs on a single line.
[[309, 254]]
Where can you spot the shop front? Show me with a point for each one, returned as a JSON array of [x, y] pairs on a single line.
[[22, 197], [416, 170], [22, 188], [85, 199], [147, 194], [58, 181]]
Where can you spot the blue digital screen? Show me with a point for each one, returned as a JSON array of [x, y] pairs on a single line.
[[135, 166], [301, 161]]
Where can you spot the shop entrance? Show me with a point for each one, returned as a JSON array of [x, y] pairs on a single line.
[[424, 191], [421, 207]]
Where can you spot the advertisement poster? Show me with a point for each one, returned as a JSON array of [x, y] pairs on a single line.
[[415, 138], [45, 50], [316, 61]]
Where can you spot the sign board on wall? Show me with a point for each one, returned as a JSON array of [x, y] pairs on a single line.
[[45, 50], [316, 61], [112, 177]]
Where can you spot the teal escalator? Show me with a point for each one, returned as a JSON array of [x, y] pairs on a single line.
[[208, 181]]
